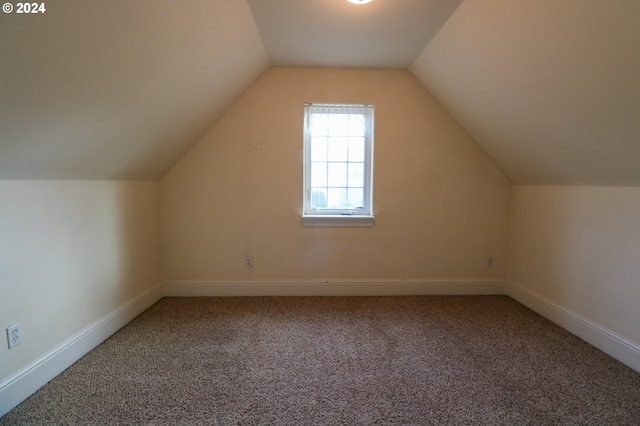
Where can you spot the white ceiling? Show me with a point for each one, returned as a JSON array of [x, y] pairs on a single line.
[[550, 89], [336, 33]]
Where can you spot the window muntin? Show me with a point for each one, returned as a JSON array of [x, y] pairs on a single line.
[[338, 153]]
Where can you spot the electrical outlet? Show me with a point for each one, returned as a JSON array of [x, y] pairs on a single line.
[[248, 261], [14, 335], [489, 262]]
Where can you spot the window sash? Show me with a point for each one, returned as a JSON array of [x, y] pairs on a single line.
[[347, 147]]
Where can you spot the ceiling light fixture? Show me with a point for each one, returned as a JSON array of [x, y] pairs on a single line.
[[359, 1]]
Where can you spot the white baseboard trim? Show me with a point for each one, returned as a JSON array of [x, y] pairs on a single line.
[[399, 287], [609, 342], [25, 382]]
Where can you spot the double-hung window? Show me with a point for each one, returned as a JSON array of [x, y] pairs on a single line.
[[338, 165]]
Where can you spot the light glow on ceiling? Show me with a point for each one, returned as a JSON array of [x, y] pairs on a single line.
[[359, 1]]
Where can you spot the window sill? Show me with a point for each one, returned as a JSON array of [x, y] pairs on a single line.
[[345, 221]]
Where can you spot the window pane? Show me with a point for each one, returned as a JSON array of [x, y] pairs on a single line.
[[356, 175], [356, 125], [318, 148], [318, 198], [338, 149], [336, 161], [337, 174], [356, 198], [318, 174], [339, 125], [319, 124], [337, 198], [356, 149]]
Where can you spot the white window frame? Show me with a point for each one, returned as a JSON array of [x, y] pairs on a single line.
[[339, 217]]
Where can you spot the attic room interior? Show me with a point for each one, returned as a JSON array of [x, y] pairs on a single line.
[[149, 147]]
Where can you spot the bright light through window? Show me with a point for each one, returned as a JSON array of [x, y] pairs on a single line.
[[338, 142]]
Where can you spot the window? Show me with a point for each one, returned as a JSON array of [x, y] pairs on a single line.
[[338, 165]]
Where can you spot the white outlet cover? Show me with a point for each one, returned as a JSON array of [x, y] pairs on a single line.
[[14, 335]]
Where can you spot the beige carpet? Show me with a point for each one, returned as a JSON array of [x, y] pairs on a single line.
[[329, 361]]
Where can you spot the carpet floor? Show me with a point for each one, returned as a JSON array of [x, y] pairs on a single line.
[[338, 361]]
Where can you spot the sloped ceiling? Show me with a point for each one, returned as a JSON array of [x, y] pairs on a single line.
[[550, 89], [118, 89]]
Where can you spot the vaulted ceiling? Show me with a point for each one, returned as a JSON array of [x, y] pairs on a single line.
[[549, 89]]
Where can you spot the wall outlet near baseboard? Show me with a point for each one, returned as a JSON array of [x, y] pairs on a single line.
[[489, 262], [14, 335], [248, 261]]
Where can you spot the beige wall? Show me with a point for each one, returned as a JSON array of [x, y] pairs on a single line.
[[441, 205], [579, 248], [70, 253]]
